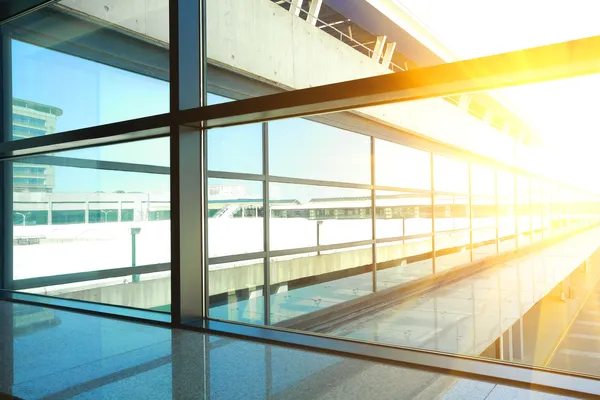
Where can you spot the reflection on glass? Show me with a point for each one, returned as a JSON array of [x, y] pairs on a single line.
[[402, 214], [403, 261], [452, 249], [300, 148], [82, 215], [451, 212], [308, 282], [307, 216], [75, 93], [236, 291], [235, 217]]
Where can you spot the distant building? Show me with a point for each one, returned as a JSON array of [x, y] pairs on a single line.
[[30, 120]]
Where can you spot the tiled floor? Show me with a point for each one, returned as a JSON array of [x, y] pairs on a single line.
[[54, 354]]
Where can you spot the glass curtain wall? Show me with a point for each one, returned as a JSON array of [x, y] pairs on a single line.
[[89, 221], [305, 217]]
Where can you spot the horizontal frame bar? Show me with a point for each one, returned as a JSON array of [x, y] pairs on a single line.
[[72, 162], [235, 175], [119, 132], [45, 281], [551, 62]]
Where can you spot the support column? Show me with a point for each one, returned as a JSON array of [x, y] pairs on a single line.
[[296, 7], [378, 48], [189, 287], [313, 11], [388, 54]]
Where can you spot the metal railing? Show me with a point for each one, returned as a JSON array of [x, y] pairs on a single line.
[[355, 43]]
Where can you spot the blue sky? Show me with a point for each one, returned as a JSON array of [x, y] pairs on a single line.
[[92, 94]]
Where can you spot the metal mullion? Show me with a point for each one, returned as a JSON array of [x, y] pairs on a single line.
[[235, 175], [118, 132], [266, 226], [432, 183], [470, 166], [315, 182], [373, 216], [530, 213], [202, 88], [556, 61], [174, 163], [6, 170], [516, 206]]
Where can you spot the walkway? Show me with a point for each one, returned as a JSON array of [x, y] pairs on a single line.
[[466, 317]]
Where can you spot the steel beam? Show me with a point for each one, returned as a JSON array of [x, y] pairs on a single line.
[[539, 64]]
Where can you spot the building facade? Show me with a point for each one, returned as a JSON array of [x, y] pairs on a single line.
[[31, 120]]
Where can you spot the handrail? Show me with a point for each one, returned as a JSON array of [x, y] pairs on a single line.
[[54, 280]]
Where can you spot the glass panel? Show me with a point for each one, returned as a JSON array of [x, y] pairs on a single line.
[[103, 216], [236, 149], [451, 213], [308, 282], [307, 216], [482, 180], [484, 212], [450, 175], [403, 261], [524, 210], [236, 291], [484, 243], [402, 214], [300, 148], [401, 166], [451, 250], [235, 217], [103, 64]]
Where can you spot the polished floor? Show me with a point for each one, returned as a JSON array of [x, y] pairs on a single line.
[[55, 354]]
